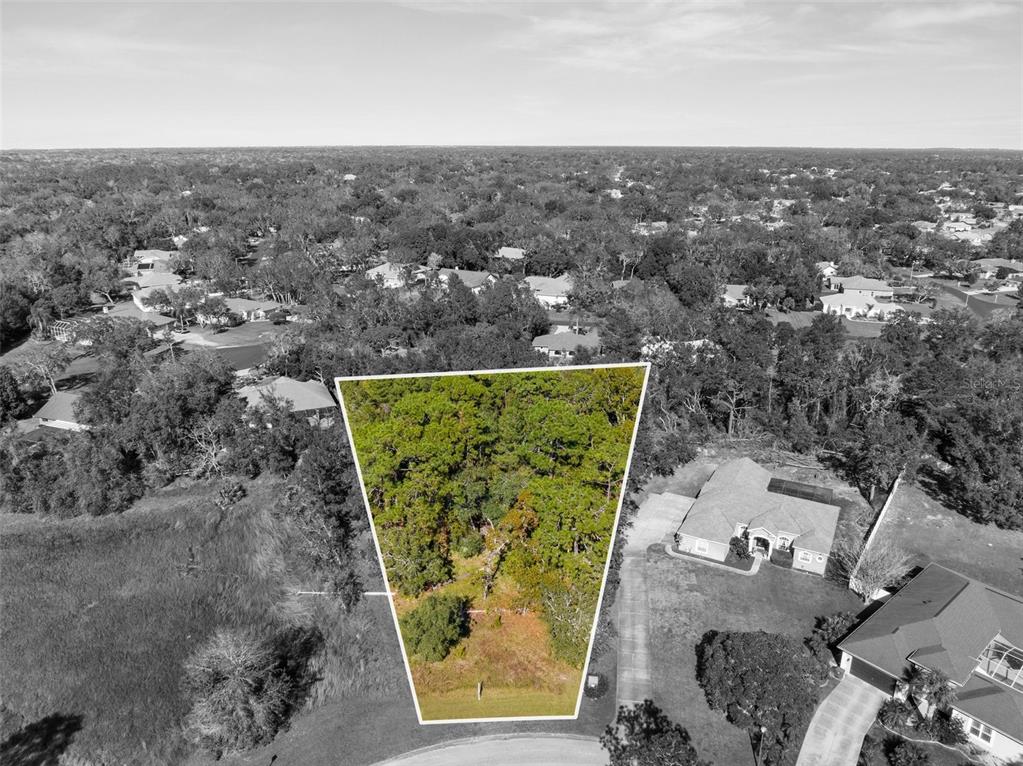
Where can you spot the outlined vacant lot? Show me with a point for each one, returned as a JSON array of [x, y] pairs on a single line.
[[494, 497]]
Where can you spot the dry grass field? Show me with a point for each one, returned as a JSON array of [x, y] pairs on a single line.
[[98, 614], [507, 650]]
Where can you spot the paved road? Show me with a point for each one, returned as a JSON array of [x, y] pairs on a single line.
[[656, 520], [839, 724], [509, 751]]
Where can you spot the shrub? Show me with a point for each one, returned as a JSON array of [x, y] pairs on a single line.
[[740, 547], [240, 695], [435, 626], [943, 728], [470, 544], [908, 754], [894, 714]]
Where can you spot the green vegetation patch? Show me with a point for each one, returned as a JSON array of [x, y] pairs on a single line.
[[498, 490]]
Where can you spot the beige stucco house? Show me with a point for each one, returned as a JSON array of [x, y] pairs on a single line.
[[742, 499]]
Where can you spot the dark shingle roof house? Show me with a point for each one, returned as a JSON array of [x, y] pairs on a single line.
[[59, 412], [474, 280], [304, 396], [564, 344], [242, 358], [972, 632]]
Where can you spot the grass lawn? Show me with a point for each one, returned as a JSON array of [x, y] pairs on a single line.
[[687, 599], [99, 613], [508, 702], [928, 531]]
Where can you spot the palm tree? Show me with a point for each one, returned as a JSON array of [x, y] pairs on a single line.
[[932, 687]]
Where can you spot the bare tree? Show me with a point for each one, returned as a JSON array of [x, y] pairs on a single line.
[[42, 365], [872, 568]]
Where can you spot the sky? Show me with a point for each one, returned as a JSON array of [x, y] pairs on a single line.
[[858, 73]]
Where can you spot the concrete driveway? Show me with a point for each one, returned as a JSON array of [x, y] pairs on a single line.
[[656, 521], [509, 750], [839, 724]]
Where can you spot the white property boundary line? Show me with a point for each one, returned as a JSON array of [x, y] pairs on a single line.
[[873, 531], [611, 543]]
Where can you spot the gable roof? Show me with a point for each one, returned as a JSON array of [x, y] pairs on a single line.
[[736, 293], [995, 263], [60, 406], [859, 282], [854, 300], [470, 279], [736, 493], [567, 341], [128, 310], [242, 357], [558, 287], [941, 620], [303, 395], [244, 305]]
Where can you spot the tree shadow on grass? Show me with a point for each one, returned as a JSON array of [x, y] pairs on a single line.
[[40, 743], [295, 647]]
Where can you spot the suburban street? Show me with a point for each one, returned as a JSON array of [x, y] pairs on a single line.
[[500, 750]]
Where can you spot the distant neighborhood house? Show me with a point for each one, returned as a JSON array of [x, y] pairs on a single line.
[[564, 346], [59, 412], [476, 281], [511, 253], [395, 275], [550, 292], [973, 633], [860, 285], [251, 310], [310, 397], [735, 295], [854, 304], [742, 499]]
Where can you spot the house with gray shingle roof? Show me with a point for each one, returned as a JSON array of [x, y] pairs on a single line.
[[59, 412], [969, 631], [742, 499]]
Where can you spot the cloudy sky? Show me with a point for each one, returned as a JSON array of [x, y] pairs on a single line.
[[689, 72]]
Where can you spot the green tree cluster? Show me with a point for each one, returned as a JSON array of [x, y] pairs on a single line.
[[523, 470]]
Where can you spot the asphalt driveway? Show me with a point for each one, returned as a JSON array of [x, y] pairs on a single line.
[[839, 724]]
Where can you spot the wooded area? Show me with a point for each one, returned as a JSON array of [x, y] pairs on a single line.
[[519, 475]]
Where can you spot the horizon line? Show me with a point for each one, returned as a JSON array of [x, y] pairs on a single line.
[[776, 147]]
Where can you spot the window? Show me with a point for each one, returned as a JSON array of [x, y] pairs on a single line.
[[820, 557], [701, 546], [805, 557], [783, 543], [981, 731]]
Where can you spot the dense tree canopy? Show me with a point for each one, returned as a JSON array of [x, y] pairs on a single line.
[[524, 470]]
